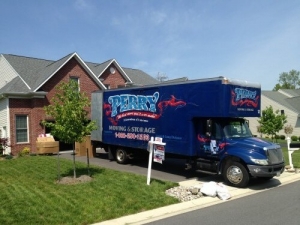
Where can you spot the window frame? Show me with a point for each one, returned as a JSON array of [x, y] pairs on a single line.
[[76, 79], [18, 129]]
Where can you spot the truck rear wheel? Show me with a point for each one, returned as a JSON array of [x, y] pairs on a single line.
[[235, 174], [121, 156]]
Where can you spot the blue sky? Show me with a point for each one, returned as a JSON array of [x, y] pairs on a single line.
[[253, 40]]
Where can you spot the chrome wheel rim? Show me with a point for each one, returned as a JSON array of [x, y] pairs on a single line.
[[234, 174], [120, 155]]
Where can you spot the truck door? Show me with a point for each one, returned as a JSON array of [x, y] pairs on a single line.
[[208, 139]]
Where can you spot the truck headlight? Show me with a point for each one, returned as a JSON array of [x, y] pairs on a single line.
[[263, 162]]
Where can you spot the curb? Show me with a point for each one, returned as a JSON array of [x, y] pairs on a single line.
[[183, 207]]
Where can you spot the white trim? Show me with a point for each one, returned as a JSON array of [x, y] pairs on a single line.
[[81, 62], [119, 68], [27, 128], [8, 149], [284, 93]]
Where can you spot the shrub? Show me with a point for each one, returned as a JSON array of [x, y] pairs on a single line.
[[282, 137], [294, 138], [24, 152], [3, 144], [8, 157], [277, 136], [288, 129]]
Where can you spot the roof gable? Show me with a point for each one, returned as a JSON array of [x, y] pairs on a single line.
[[36, 72], [99, 69], [27, 68]]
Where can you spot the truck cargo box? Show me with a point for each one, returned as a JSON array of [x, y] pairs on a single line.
[[130, 116]]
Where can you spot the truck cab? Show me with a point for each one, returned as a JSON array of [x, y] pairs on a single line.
[[226, 146]]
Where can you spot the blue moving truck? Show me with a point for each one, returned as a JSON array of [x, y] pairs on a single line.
[[202, 121]]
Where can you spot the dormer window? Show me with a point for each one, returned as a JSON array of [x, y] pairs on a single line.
[[76, 79], [112, 70]]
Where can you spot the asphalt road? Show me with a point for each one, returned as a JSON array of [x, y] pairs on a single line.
[[279, 205], [171, 169]]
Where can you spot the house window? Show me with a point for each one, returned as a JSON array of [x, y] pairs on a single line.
[[22, 128], [76, 79], [107, 86]]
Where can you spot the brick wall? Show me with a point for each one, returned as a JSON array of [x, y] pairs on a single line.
[[113, 80], [34, 107]]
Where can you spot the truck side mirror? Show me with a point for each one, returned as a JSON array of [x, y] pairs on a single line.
[[209, 127], [247, 122]]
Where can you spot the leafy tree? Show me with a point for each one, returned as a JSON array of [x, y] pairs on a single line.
[[68, 109], [290, 80], [271, 122]]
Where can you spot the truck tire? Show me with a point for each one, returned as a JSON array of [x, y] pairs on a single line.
[[235, 174], [121, 156]]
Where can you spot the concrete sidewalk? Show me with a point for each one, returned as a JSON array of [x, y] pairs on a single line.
[[172, 210]]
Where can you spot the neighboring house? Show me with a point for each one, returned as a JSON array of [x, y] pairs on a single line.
[[28, 84], [287, 101]]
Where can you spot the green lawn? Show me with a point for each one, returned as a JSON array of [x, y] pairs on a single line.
[[29, 193], [295, 157]]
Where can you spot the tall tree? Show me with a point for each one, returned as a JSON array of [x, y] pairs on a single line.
[[69, 110], [290, 80], [271, 122]]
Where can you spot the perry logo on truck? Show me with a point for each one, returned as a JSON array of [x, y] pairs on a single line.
[[244, 97], [125, 105]]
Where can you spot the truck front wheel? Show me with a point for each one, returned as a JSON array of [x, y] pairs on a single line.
[[121, 156], [235, 174]]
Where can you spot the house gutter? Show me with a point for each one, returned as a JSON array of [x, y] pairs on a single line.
[[41, 94]]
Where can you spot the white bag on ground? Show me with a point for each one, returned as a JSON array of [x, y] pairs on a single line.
[[209, 189], [222, 192]]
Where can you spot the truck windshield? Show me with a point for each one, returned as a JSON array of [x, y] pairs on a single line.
[[236, 129]]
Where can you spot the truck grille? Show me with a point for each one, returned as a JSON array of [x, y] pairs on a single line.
[[275, 156]]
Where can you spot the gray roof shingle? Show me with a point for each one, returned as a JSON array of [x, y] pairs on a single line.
[[36, 71], [138, 77], [281, 99]]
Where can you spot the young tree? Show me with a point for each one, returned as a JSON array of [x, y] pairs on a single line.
[[290, 80], [271, 122], [68, 109]]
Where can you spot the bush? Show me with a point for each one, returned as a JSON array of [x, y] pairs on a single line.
[[294, 138], [282, 137], [8, 157], [24, 152], [277, 136]]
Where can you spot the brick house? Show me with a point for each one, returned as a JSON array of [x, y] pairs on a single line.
[[28, 84]]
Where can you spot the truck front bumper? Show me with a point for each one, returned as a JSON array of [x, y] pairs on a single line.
[[266, 171]]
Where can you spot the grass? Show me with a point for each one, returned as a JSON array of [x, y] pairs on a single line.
[[29, 193], [295, 157]]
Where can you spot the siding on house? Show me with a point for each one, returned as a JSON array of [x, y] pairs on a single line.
[[4, 122], [289, 111], [7, 73], [3, 117]]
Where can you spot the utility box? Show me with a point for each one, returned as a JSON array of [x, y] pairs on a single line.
[[47, 145], [81, 148]]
